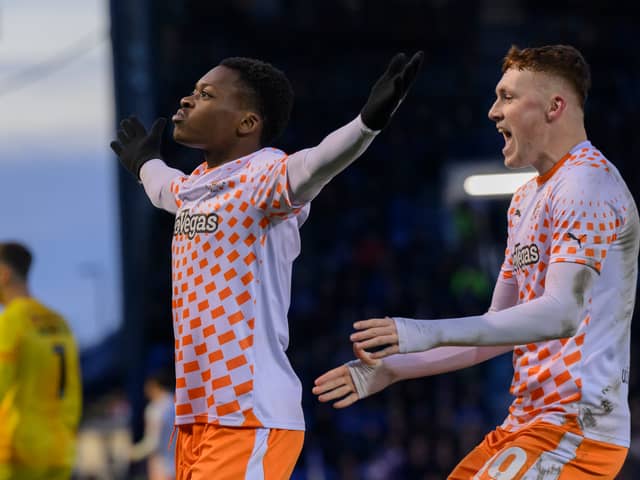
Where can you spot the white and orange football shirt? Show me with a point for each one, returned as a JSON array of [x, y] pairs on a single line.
[[235, 239], [580, 211]]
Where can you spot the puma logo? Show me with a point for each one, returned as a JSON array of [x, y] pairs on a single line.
[[579, 240]]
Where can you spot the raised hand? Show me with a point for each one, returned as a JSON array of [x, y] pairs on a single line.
[[135, 146], [390, 89]]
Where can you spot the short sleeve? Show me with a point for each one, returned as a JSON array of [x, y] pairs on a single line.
[[584, 219], [174, 189], [162, 184], [270, 185]]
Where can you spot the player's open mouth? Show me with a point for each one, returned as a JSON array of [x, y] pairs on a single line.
[[507, 137], [506, 133]]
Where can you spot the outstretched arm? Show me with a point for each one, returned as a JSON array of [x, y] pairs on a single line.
[[361, 378], [556, 314], [448, 359], [311, 169], [139, 153]]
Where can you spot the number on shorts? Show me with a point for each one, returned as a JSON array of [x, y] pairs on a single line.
[[515, 465]]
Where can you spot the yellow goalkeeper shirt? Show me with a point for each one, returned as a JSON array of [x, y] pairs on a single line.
[[40, 386]]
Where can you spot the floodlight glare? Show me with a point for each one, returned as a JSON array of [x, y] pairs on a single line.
[[495, 184]]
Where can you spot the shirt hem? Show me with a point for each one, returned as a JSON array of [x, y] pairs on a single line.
[[602, 437], [282, 425], [587, 262], [589, 434]]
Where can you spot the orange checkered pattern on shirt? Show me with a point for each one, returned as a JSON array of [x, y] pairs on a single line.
[[223, 220], [557, 218]]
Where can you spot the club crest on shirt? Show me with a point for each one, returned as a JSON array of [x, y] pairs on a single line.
[[524, 255], [190, 224], [215, 187]]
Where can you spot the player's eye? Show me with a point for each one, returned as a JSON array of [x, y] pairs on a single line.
[[200, 93], [504, 95]]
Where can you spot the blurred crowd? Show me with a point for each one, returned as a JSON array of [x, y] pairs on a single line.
[[380, 239]]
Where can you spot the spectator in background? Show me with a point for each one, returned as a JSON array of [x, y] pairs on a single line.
[[156, 445], [40, 386]]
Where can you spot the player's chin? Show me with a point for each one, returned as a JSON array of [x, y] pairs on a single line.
[[510, 162], [513, 161], [181, 136]]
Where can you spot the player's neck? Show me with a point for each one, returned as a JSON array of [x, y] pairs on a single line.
[[573, 136], [217, 158], [558, 146], [13, 292]]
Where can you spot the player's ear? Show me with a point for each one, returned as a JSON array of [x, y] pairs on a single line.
[[249, 124], [555, 107], [5, 274]]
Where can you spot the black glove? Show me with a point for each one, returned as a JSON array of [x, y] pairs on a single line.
[[390, 89], [135, 146]]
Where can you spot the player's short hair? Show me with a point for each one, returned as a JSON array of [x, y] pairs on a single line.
[[563, 61], [268, 91], [17, 257]]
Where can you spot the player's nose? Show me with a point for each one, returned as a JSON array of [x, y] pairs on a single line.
[[494, 113], [186, 102]]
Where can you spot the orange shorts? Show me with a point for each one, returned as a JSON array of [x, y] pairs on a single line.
[[206, 451], [543, 451]]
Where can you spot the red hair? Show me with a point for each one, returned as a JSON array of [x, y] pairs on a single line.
[[563, 61]]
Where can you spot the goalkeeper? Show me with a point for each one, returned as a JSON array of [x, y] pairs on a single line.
[[40, 383]]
